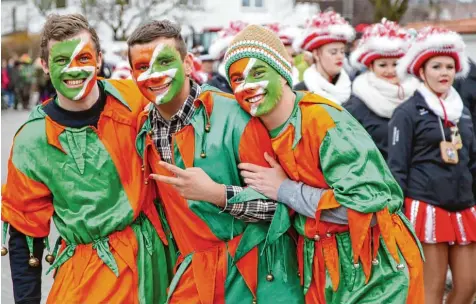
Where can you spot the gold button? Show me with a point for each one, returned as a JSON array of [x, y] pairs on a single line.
[[328, 235], [50, 258], [150, 132], [33, 262], [375, 262], [142, 168], [356, 265], [4, 251], [299, 274], [269, 277], [203, 155], [317, 238], [207, 128], [254, 301], [146, 182]]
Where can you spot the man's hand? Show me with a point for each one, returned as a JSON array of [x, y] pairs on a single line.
[[264, 180], [193, 184]]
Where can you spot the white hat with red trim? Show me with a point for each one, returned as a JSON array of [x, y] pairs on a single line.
[[380, 40], [225, 36], [325, 28], [430, 42], [286, 34]]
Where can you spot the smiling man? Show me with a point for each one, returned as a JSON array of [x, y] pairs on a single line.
[[233, 242], [355, 245], [74, 161]]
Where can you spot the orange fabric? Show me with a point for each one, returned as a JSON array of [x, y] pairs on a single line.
[[254, 143], [411, 254], [185, 140], [26, 204], [247, 266], [359, 226], [84, 278], [386, 227], [53, 131], [331, 258]]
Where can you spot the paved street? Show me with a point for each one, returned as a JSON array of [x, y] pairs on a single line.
[[11, 121]]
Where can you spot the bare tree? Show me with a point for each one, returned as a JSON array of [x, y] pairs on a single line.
[[390, 9], [43, 6], [122, 16]]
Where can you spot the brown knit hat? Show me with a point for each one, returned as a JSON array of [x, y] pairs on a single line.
[[257, 42]]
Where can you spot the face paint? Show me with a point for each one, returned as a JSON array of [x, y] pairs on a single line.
[[256, 85], [159, 72], [72, 65]]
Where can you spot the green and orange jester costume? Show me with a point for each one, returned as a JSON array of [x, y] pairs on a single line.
[[223, 259], [113, 246], [322, 146]]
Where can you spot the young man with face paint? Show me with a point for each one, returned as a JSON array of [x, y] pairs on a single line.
[[233, 241], [355, 245], [74, 160]]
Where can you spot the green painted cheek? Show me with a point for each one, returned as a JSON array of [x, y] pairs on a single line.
[[273, 95], [177, 84]]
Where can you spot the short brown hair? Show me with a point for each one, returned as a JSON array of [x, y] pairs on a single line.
[[158, 29], [62, 27]]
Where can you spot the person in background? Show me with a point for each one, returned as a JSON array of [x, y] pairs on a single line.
[[208, 65], [355, 245], [326, 35], [217, 51], [6, 93], [377, 92], [466, 87], [122, 71], [432, 155]]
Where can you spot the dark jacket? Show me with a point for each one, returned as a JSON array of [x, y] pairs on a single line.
[[467, 90], [301, 86], [220, 82], [414, 157], [375, 125]]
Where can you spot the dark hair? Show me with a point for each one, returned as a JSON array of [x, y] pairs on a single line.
[[158, 29], [62, 27]]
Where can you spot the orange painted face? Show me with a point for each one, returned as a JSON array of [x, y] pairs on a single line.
[[72, 65], [256, 85], [158, 70]]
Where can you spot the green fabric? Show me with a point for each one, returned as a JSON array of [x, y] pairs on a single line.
[[352, 288], [4, 233], [153, 256], [354, 168], [29, 242], [276, 131], [301, 65], [47, 244], [104, 252], [84, 210], [308, 261]]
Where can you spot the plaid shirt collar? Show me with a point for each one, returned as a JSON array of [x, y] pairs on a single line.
[[184, 114]]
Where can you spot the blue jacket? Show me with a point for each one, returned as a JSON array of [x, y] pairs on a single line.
[[375, 125], [414, 157]]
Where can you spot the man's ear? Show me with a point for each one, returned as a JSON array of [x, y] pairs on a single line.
[[99, 61], [188, 64], [44, 66]]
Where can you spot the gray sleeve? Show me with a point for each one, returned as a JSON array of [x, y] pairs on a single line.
[[304, 199]]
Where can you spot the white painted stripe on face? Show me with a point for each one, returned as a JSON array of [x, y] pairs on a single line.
[[148, 73], [260, 85], [168, 73], [91, 70], [76, 51], [248, 67]]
